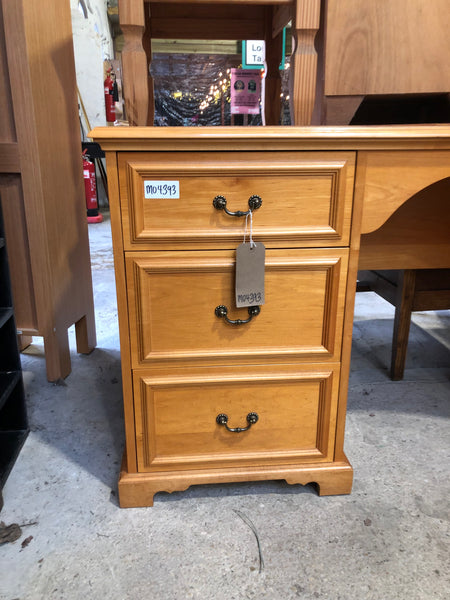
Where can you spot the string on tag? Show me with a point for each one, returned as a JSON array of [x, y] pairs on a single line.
[[252, 243]]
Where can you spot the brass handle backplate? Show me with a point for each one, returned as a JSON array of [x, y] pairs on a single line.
[[222, 419], [254, 202], [222, 312]]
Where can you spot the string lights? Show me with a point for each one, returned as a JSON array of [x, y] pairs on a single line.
[[217, 91]]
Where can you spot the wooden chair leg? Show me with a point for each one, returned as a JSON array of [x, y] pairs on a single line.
[[402, 321]]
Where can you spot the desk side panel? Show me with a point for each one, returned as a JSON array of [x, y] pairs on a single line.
[[122, 308]]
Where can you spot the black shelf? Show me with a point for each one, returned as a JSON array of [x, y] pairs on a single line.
[[13, 417], [11, 443], [5, 314], [8, 381]]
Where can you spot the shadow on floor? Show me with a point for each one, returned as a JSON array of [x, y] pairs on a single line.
[[82, 416]]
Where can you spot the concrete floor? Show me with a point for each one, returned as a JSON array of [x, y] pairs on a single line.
[[389, 539]]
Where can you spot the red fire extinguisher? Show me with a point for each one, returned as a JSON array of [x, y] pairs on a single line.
[[90, 189], [109, 98]]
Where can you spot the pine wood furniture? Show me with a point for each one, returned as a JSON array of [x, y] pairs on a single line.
[[407, 290], [383, 48], [182, 365], [41, 180], [344, 50], [224, 20], [141, 21]]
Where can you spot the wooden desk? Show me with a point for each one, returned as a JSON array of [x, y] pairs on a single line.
[[182, 365], [142, 20], [230, 20], [382, 48], [364, 48]]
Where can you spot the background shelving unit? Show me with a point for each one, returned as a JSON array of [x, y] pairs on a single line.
[[13, 416]]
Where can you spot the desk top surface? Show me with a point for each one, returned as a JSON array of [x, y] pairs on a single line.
[[398, 137]]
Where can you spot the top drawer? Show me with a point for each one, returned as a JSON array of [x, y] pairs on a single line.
[[167, 198]]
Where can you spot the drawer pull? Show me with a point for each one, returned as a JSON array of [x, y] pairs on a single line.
[[222, 312], [254, 202], [222, 419]]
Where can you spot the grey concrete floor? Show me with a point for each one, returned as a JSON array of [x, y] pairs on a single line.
[[389, 539]]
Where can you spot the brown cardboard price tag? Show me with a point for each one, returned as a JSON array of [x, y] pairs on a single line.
[[250, 267]]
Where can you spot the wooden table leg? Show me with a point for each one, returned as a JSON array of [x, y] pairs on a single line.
[[274, 52], [85, 334], [147, 45], [23, 341], [304, 68], [57, 348], [134, 61], [57, 354]]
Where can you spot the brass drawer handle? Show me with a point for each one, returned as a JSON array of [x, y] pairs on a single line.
[[222, 312], [222, 419], [220, 203]]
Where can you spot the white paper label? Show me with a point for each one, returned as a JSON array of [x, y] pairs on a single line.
[[255, 52], [160, 190]]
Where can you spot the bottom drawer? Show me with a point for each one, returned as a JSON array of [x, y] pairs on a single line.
[[177, 425]]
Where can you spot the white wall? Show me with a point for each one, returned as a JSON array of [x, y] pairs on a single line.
[[93, 44]]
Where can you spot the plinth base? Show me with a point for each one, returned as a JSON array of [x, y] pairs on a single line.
[[138, 489]]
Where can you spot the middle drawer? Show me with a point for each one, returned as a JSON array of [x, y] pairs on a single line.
[[172, 298]]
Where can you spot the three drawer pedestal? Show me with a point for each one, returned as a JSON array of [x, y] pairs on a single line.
[[207, 401]]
